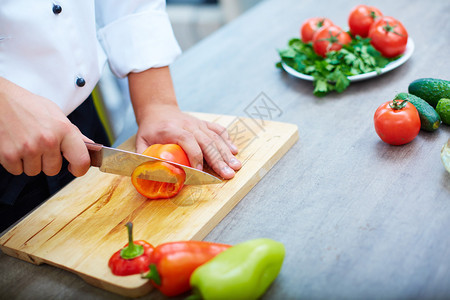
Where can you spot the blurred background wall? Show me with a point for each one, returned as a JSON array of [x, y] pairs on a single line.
[[192, 21]]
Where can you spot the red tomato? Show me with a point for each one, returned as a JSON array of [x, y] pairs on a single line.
[[388, 36], [330, 38], [360, 19], [397, 122], [311, 25]]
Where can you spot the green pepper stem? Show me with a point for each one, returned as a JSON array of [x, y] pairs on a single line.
[[153, 275], [194, 297], [132, 250]]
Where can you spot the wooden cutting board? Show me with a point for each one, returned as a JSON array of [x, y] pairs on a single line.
[[81, 226]]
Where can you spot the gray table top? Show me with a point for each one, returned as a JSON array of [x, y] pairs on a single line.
[[359, 218]]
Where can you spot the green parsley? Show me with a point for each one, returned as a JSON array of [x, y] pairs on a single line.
[[331, 73]]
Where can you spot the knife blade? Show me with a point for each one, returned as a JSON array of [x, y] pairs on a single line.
[[122, 162]]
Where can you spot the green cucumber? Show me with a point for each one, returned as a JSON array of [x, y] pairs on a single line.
[[430, 89], [443, 109], [429, 118]]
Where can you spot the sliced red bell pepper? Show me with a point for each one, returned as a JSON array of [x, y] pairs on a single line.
[[170, 152], [161, 190], [134, 258], [171, 264]]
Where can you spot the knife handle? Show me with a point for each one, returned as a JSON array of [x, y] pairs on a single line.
[[93, 146], [95, 153]]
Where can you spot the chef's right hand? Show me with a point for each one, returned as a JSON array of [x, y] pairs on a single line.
[[35, 134]]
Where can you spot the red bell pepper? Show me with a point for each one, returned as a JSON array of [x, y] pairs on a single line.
[[161, 190], [171, 264], [134, 258]]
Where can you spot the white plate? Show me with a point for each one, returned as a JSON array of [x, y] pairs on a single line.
[[391, 66]]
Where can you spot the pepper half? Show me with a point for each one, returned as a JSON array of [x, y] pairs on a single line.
[[161, 190], [244, 271], [172, 264], [133, 259]]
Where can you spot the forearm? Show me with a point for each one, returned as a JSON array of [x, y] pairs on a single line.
[[150, 89], [161, 121]]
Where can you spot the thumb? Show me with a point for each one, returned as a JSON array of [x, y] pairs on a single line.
[[141, 145], [86, 139], [76, 153]]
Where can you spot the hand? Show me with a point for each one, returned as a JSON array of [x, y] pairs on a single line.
[[161, 121], [35, 134], [166, 124]]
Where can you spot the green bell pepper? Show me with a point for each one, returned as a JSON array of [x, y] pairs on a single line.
[[244, 271]]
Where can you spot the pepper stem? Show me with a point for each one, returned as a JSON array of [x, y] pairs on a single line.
[[194, 297], [153, 275], [132, 250]]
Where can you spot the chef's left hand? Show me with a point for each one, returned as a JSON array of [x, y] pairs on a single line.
[[161, 121], [166, 124]]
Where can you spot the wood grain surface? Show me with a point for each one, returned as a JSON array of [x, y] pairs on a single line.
[[80, 227], [360, 219]]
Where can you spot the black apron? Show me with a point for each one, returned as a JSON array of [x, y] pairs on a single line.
[[20, 194]]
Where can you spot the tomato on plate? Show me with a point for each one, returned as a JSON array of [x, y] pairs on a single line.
[[330, 38], [397, 122], [161, 190], [311, 25], [389, 36], [360, 19]]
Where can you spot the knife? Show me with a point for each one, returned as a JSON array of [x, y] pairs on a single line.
[[121, 162]]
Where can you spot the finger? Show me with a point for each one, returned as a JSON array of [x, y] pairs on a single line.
[[221, 146], [12, 162], [188, 142], [216, 154], [86, 139], [51, 159], [32, 165], [222, 131], [31, 158], [221, 168], [76, 153], [219, 129], [14, 169], [141, 145], [52, 162]]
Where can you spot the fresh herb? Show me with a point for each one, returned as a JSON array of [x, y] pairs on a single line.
[[331, 73]]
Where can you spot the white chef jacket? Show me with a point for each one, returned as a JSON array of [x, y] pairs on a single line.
[[57, 49]]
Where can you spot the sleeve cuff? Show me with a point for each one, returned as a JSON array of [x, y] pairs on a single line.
[[138, 42]]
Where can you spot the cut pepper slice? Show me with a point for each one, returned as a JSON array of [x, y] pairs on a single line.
[[161, 190], [155, 189]]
